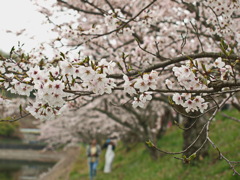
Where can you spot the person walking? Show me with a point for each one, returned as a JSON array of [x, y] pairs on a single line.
[[109, 156], [93, 152]]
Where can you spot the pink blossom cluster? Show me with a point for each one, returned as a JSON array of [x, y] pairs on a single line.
[[225, 70], [7, 69], [139, 87], [114, 19], [50, 83], [187, 78], [189, 102], [10, 108], [222, 13], [193, 76]]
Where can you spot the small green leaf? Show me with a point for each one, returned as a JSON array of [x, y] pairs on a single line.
[[123, 55], [62, 54], [196, 63], [11, 52], [149, 143], [119, 65], [86, 60], [92, 65], [20, 109], [204, 67], [193, 156], [73, 81], [223, 45], [231, 52], [170, 100]]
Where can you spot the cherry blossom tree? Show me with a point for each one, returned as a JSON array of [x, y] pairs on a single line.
[[187, 50], [79, 125], [12, 110], [103, 118]]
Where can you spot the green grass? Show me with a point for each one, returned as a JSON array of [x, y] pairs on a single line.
[[136, 164]]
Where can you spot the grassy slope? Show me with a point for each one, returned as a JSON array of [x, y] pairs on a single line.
[[137, 165]]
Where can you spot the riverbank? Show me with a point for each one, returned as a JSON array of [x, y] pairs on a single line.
[[30, 155], [63, 160], [26, 164]]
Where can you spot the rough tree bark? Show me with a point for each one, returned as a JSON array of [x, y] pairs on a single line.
[[166, 118], [191, 134]]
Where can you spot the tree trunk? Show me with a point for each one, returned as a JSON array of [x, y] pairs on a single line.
[[166, 118], [151, 136], [153, 153], [191, 134]]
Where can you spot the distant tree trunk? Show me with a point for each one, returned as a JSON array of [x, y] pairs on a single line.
[[166, 118], [191, 134], [154, 137], [150, 136], [153, 153]]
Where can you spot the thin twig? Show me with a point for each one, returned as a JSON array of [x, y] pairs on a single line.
[[229, 117], [13, 120]]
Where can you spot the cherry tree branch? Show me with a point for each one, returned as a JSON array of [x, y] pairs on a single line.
[[229, 117], [14, 119], [78, 9], [93, 5], [179, 59], [124, 24], [110, 5], [115, 118], [206, 126]]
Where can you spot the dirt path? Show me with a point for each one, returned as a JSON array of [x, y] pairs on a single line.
[[62, 168]]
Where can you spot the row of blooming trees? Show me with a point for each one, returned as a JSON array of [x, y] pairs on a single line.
[[103, 118], [140, 50]]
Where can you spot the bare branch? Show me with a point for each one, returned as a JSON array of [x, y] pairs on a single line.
[[110, 5], [14, 119], [78, 9], [175, 60], [229, 117]]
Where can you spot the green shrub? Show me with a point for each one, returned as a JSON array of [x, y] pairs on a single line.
[[7, 129]]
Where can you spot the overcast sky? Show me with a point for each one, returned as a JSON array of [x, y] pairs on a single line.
[[21, 16]]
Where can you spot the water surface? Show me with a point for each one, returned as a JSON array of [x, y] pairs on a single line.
[[22, 170]]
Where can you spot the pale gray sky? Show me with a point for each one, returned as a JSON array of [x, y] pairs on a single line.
[[17, 16]]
